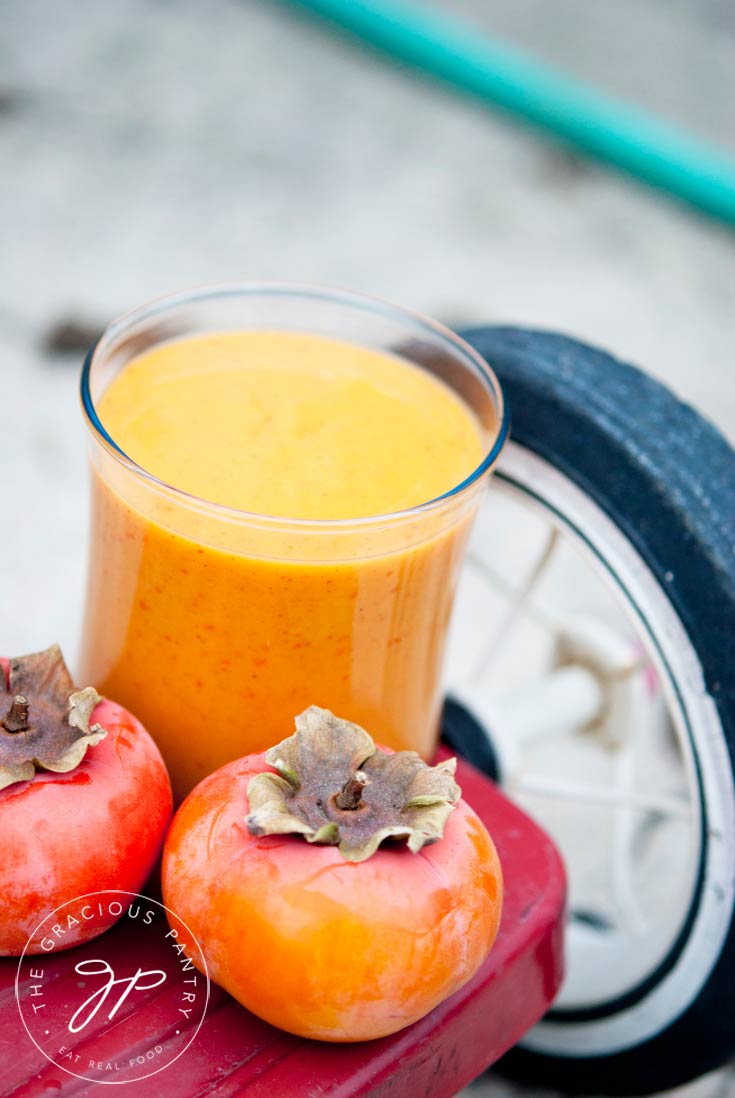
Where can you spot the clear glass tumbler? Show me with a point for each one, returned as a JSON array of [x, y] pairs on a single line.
[[217, 626]]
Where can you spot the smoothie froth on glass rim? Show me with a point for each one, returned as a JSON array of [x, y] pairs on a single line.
[[283, 482]]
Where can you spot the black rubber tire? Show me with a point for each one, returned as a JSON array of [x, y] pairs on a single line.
[[666, 477], [463, 733]]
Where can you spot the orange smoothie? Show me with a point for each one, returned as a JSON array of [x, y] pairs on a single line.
[[217, 627]]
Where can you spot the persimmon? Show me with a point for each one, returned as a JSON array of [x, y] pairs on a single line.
[[85, 800], [338, 937]]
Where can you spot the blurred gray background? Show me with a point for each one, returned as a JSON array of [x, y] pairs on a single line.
[[148, 145]]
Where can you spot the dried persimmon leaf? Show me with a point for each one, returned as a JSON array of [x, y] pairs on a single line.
[[44, 721], [334, 786]]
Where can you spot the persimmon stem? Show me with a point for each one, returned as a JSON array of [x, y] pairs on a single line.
[[350, 795], [16, 718], [44, 719], [320, 790]]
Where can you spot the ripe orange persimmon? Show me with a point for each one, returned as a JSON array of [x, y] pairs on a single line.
[[85, 801], [339, 943]]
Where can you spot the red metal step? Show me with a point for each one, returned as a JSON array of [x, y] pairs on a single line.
[[235, 1053]]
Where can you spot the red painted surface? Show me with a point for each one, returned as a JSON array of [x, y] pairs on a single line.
[[236, 1054]]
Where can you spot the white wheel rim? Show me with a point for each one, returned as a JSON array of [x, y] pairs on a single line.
[[653, 1005]]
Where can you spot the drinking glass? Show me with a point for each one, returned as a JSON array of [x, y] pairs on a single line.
[[217, 626]]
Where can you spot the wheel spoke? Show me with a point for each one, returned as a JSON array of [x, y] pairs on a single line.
[[623, 888], [518, 604], [539, 785]]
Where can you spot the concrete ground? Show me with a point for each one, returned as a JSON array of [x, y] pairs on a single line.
[[148, 146]]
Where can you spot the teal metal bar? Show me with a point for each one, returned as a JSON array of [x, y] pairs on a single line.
[[630, 139]]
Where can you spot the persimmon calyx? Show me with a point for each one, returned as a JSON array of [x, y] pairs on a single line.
[[44, 720], [334, 786]]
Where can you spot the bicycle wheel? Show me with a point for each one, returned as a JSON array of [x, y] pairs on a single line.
[[641, 491]]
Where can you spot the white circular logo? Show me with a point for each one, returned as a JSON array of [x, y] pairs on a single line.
[[120, 1007]]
